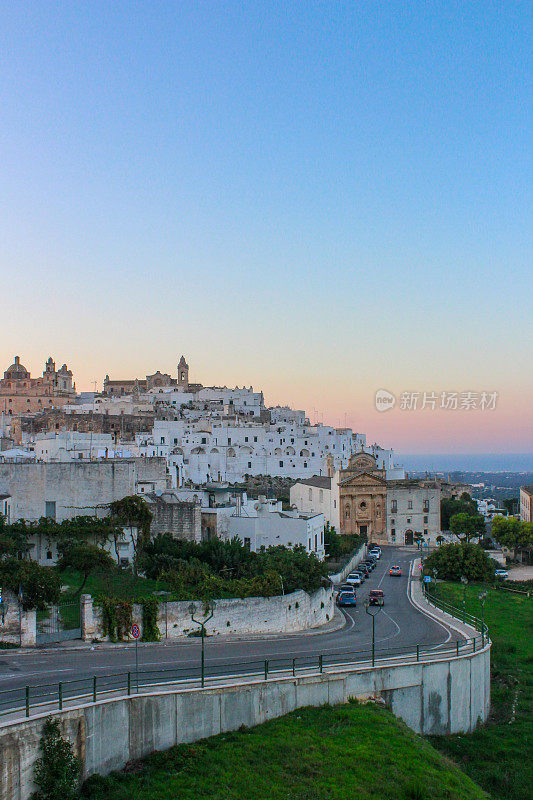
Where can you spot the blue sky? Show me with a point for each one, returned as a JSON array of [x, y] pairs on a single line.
[[321, 199]]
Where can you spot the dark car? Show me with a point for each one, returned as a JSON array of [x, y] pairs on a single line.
[[363, 570], [376, 597], [369, 563], [346, 599]]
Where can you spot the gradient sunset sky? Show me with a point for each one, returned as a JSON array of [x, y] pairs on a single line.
[[319, 199]]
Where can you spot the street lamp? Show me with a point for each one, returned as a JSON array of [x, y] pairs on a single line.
[[482, 599], [201, 623], [464, 581], [372, 614]]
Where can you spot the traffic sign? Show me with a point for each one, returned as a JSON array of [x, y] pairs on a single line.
[[427, 578], [135, 632]]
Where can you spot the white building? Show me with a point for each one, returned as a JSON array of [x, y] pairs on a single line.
[[488, 508], [218, 449], [315, 496], [269, 528]]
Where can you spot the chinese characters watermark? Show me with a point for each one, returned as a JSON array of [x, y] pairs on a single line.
[[433, 401]]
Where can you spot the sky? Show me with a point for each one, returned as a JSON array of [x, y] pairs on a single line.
[[319, 199]]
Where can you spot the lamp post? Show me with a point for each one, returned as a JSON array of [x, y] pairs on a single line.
[[482, 599], [373, 615], [201, 623], [20, 599], [464, 581]]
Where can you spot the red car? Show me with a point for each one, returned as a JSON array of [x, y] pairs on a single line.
[[396, 571]]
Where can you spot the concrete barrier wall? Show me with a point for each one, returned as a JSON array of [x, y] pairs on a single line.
[[353, 562], [447, 696], [297, 611]]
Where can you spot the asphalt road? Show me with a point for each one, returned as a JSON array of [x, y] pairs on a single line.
[[398, 626]]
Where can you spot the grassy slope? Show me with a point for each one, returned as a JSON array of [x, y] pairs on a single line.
[[329, 753], [121, 583], [498, 755]]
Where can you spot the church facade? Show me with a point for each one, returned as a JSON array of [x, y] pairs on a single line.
[[386, 511], [22, 394]]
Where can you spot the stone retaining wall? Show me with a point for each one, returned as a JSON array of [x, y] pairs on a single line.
[[447, 696]]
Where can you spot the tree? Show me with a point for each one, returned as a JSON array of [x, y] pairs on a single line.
[[513, 533], [133, 512], [84, 558], [440, 539], [453, 561], [467, 526], [57, 771], [40, 585], [451, 505]]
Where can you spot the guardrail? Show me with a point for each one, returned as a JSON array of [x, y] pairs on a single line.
[[47, 697], [458, 613]]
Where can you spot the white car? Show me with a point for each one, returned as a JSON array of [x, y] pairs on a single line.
[[353, 579], [502, 574], [376, 553]]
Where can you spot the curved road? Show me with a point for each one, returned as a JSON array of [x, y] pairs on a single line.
[[398, 626]]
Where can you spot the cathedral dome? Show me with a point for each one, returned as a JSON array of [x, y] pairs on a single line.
[[16, 371]]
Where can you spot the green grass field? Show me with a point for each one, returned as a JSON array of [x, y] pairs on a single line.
[[122, 584], [328, 753], [498, 755]]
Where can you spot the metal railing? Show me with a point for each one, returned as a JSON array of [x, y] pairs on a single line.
[[25, 701], [459, 613]]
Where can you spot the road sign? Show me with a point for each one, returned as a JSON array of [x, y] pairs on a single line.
[[427, 578], [0, 594], [135, 632]]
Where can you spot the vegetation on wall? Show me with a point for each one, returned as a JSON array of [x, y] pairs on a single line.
[[150, 609], [117, 618], [57, 770], [339, 546]]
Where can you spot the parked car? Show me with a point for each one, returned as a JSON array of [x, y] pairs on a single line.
[[363, 570], [353, 579], [346, 599], [376, 597], [395, 570], [346, 587], [502, 574], [375, 551]]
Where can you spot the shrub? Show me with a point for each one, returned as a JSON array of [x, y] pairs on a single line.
[[57, 771], [453, 561]]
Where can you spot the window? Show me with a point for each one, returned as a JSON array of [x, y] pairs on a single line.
[[334, 504], [409, 504], [281, 463], [408, 520], [162, 440], [425, 532], [204, 440], [316, 541], [50, 509], [310, 494], [249, 465], [393, 532], [425, 520], [255, 438], [394, 506], [245, 438], [49, 555], [247, 542], [426, 505]]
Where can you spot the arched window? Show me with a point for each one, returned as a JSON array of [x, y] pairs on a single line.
[[304, 453], [362, 504], [231, 452]]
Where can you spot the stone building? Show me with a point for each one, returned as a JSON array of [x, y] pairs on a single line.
[[363, 499], [122, 427], [22, 394], [76, 488], [182, 519], [157, 380]]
